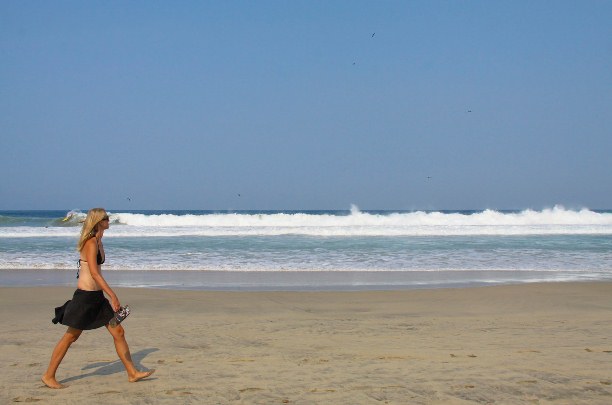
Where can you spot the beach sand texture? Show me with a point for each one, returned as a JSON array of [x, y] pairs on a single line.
[[525, 344]]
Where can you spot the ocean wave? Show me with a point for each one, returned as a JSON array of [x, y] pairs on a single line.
[[555, 216], [554, 221]]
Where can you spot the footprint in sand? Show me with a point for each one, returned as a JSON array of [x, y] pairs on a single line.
[[458, 387], [250, 389], [178, 391], [164, 361], [241, 360], [391, 358]]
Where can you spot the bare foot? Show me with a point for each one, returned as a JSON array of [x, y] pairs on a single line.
[[52, 383], [140, 375]]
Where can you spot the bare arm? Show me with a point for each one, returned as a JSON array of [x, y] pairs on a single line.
[[91, 252]]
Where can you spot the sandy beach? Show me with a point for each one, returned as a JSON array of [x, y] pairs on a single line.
[[533, 344]]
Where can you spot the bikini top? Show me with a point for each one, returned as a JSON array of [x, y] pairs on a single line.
[[99, 259]]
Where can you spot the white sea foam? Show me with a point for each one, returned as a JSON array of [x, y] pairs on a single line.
[[555, 221]]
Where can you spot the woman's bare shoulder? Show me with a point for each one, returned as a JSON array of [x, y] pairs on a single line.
[[90, 244]]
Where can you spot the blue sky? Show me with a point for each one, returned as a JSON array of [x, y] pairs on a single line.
[[305, 104]]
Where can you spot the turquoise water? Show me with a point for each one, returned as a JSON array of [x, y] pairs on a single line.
[[318, 248]]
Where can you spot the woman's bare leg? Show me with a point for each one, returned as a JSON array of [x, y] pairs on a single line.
[[123, 351], [57, 356]]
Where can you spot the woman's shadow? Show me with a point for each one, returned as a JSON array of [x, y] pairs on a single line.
[[112, 367]]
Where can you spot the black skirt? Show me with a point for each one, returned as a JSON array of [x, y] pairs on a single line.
[[86, 310]]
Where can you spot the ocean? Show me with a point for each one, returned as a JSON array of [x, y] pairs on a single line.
[[318, 250]]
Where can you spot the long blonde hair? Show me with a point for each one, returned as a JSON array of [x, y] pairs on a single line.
[[90, 226]]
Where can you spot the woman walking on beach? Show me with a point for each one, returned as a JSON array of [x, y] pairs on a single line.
[[89, 309]]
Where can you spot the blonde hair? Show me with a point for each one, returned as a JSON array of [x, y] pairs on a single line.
[[90, 225]]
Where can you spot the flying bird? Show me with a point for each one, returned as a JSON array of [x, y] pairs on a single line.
[[373, 35]]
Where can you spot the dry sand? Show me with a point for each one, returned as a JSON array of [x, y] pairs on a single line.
[[533, 344]]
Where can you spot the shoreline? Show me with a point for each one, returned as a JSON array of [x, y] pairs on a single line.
[[530, 343], [209, 280]]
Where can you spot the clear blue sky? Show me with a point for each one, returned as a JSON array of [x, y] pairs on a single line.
[[305, 104]]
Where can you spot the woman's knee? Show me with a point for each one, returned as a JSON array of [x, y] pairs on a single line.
[[72, 335], [118, 332]]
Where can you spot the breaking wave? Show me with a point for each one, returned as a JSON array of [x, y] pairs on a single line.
[[554, 221]]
